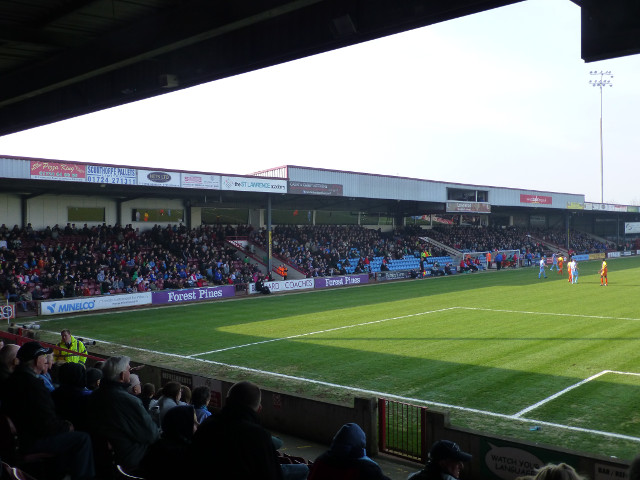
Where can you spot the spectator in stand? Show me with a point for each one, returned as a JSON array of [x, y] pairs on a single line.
[[165, 458], [562, 471], [8, 362], [45, 374], [446, 461], [200, 400], [135, 387], [185, 395], [147, 394], [346, 458], [232, 443], [70, 349], [29, 404], [71, 397], [25, 299], [94, 377], [122, 419], [171, 395]]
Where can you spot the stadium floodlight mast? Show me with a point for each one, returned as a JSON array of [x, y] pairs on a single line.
[[603, 81]]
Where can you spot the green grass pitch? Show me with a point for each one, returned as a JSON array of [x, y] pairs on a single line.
[[501, 351]]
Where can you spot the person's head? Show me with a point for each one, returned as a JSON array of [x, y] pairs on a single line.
[[48, 363], [135, 387], [201, 396], [246, 394], [117, 369], [8, 356], [94, 375], [1, 343], [148, 390], [634, 469], [448, 456], [66, 336], [33, 355], [172, 390], [349, 442], [185, 394], [180, 423], [562, 471], [71, 374]]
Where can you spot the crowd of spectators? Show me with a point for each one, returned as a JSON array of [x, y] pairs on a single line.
[[72, 262], [87, 429], [60, 262]]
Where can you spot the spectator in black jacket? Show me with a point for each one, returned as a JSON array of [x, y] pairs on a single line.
[[29, 404], [232, 443]]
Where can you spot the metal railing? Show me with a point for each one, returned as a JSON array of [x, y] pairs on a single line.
[[402, 430]]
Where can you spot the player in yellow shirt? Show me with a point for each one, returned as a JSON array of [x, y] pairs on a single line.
[[603, 274]]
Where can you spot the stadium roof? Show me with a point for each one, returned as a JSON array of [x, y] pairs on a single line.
[[64, 58]]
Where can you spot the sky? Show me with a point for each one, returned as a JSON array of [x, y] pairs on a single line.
[[499, 98]]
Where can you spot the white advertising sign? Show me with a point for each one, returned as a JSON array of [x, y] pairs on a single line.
[[631, 227], [251, 184], [90, 304], [111, 175], [285, 285], [200, 180], [157, 178]]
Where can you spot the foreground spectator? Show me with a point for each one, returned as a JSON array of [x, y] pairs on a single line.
[[29, 404], [164, 459], [346, 458], [634, 469], [445, 461], [562, 471], [119, 416], [232, 443], [8, 362]]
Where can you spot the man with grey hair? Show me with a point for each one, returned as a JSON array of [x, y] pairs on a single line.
[[119, 416]]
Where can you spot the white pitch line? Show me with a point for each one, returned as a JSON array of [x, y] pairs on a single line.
[[555, 314], [320, 331], [561, 392], [387, 395], [381, 394]]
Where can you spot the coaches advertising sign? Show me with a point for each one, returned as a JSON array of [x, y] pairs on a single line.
[[200, 180], [248, 184], [65, 172], [285, 285], [468, 207], [111, 175], [537, 199], [155, 178]]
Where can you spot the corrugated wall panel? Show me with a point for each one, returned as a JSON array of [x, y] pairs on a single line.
[[13, 168], [386, 187]]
